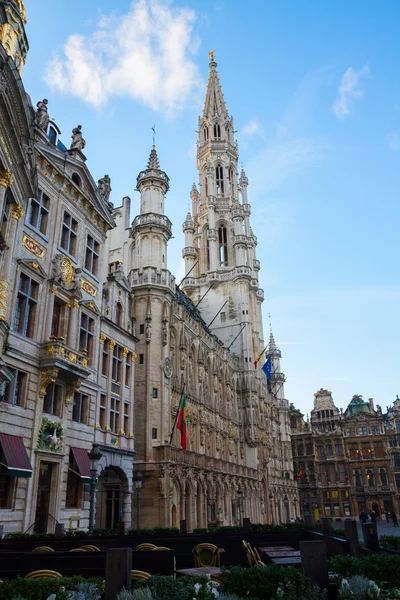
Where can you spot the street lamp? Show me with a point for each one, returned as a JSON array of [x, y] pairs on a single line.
[[240, 501], [138, 479], [271, 497], [95, 455]]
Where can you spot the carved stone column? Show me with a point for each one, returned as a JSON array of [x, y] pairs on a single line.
[[16, 213], [127, 508], [73, 324]]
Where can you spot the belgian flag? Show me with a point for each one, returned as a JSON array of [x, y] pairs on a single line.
[[181, 425]]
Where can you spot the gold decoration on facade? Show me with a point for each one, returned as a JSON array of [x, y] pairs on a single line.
[[35, 265], [84, 362], [67, 270], [97, 425], [72, 387], [134, 356], [62, 351], [211, 55], [88, 287], [17, 211], [125, 352], [121, 432], [91, 305], [72, 357], [3, 298], [322, 392], [5, 177], [102, 338], [48, 377], [33, 246], [113, 343], [50, 350]]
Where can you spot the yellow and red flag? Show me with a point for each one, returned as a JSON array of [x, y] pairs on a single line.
[[259, 357], [181, 425]]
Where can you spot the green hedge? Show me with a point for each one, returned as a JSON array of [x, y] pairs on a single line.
[[153, 531], [382, 568], [40, 589], [253, 528], [391, 542], [168, 588]]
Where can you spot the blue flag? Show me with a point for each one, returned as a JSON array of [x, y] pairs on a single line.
[[267, 368]]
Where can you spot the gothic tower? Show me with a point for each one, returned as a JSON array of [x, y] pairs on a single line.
[[220, 248]]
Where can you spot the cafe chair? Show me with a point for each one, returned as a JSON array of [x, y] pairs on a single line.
[[90, 548], [146, 547], [161, 548], [139, 575], [253, 558], [77, 550], [206, 555], [42, 574], [43, 549]]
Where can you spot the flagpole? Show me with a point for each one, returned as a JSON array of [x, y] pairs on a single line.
[[177, 414]]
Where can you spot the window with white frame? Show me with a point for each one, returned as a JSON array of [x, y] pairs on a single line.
[[38, 212]]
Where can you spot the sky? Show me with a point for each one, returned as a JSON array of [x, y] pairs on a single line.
[[314, 90]]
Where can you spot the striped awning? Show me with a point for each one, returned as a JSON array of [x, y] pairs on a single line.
[[15, 456], [82, 460]]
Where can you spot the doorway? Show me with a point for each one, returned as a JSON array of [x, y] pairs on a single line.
[[43, 497], [109, 499]]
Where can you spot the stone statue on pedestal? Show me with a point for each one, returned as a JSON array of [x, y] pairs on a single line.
[[78, 143], [42, 115]]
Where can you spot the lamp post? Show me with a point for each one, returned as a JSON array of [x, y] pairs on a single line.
[[271, 498], [240, 502], [138, 479], [95, 455]]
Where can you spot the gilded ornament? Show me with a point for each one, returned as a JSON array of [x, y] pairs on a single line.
[[17, 211], [97, 425], [3, 298], [72, 357], [84, 362], [91, 305], [121, 432], [50, 350], [125, 352], [134, 356], [72, 387], [33, 246], [102, 338], [88, 287], [67, 270], [62, 351], [5, 177], [112, 344], [48, 377]]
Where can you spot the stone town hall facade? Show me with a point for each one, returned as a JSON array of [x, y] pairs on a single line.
[[97, 342]]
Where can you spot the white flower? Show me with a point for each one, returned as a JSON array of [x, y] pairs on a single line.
[[208, 586], [215, 592], [52, 597], [197, 588]]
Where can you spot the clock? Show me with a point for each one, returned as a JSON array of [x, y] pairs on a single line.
[[167, 368]]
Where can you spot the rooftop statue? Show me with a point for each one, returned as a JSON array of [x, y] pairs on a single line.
[[78, 143], [104, 187], [42, 115]]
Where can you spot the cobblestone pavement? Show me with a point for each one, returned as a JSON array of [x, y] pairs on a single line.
[[384, 528]]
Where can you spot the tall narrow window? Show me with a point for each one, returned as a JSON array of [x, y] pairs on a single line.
[[80, 408], [126, 417], [205, 134], [114, 414], [38, 212], [5, 217], [217, 131], [117, 363], [128, 365], [206, 181], [73, 497], [106, 349], [118, 314], [86, 335], [26, 305], [69, 234], [13, 392], [52, 399], [230, 179], [219, 176], [103, 411], [92, 255], [223, 246]]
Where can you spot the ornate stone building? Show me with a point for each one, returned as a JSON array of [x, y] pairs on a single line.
[[342, 460], [201, 338], [66, 341]]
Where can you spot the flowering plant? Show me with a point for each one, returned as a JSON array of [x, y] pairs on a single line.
[[359, 588], [205, 591]]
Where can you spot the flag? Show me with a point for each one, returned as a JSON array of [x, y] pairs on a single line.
[[181, 425], [267, 368], [300, 473], [259, 357]]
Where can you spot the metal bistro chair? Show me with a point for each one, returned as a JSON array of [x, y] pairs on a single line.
[[146, 547], [206, 555], [253, 558], [77, 550], [161, 548], [139, 575], [43, 573], [90, 548], [43, 549]]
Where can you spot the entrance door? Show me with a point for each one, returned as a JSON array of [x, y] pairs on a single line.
[[43, 497], [112, 508]]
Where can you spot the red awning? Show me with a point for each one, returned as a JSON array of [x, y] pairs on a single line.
[[15, 456], [82, 460]]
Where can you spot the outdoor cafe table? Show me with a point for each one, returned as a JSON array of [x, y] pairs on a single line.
[[276, 548], [198, 571], [289, 561], [284, 554]]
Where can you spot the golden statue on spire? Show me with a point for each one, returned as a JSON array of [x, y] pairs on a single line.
[[211, 55]]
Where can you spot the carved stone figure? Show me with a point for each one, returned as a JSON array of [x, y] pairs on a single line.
[[76, 283], [148, 331], [78, 143], [42, 115], [56, 269], [104, 187], [165, 333]]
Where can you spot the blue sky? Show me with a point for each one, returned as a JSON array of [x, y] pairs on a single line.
[[314, 90]]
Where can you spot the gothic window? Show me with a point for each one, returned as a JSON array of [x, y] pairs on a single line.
[[223, 246], [58, 320], [396, 459], [320, 449], [38, 212], [69, 234], [5, 218], [370, 478], [230, 179], [379, 450], [323, 474], [219, 176], [86, 335], [128, 365], [206, 181], [342, 473], [217, 131], [357, 478], [205, 131], [103, 411], [118, 314], [309, 448], [383, 476], [375, 430], [114, 414], [329, 449], [105, 363], [92, 255], [25, 307]]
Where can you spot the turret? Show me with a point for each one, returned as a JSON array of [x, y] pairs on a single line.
[[12, 31], [189, 252]]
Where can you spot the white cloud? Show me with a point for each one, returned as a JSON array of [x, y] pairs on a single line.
[[350, 88], [393, 140], [252, 128], [145, 54]]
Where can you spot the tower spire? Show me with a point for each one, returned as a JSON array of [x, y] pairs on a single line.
[[214, 105]]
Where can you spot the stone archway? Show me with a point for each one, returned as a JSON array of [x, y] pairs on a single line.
[[113, 498]]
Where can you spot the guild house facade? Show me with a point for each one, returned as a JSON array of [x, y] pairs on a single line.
[[98, 343]]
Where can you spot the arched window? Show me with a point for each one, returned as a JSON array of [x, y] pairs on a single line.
[[217, 131], [118, 314], [370, 478], [223, 246], [230, 179], [76, 179], [206, 186], [329, 450], [205, 133], [219, 176], [383, 474]]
